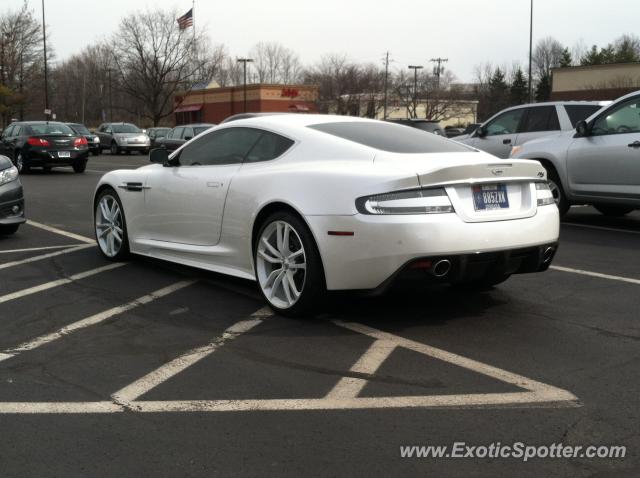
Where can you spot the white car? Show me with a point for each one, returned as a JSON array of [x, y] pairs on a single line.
[[308, 203], [597, 163]]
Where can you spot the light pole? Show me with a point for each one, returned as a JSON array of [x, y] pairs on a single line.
[[415, 69], [47, 111], [244, 62], [530, 53]]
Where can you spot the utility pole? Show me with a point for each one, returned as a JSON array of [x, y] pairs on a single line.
[[46, 80], [415, 69], [84, 85], [386, 80], [438, 69], [110, 97], [530, 53], [244, 62]]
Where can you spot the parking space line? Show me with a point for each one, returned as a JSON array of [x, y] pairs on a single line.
[[55, 230], [368, 363], [600, 228], [67, 280], [186, 360], [93, 320], [59, 407], [34, 249], [45, 256], [596, 274]]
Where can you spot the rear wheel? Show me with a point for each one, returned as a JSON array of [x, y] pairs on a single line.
[[21, 163], [80, 166], [556, 189], [111, 226], [9, 229], [288, 265], [612, 210], [114, 148]]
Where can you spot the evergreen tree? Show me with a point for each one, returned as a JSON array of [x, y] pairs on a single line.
[[519, 90], [498, 92], [565, 59], [543, 90], [592, 57]]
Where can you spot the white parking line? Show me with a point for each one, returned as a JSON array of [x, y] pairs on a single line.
[[93, 320], [59, 407], [50, 285], [596, 274], [45, 256], [350, 387], [55, 230], [601, 228], [34, 249], [179, 364]]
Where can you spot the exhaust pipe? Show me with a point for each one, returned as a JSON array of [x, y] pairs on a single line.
[[548, 255], [441, 268]]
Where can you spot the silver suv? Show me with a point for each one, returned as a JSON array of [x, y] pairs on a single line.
[[519, 124], [597, 163]]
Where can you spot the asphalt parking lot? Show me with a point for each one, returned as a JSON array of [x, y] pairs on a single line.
[[150, 369]]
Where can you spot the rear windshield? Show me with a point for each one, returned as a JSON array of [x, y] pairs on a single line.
[[126, 128], [580, 112], [50, 128], [80, 128], [391, 137]]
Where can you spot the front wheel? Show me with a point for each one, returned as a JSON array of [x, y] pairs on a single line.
[[9, 229], [21, 163], [612, 210], [114, 149], [288, 265], [111, 226]]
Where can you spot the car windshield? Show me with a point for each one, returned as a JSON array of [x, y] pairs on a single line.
[[80, 129], [126, 128], [391, 137], [50, 128]]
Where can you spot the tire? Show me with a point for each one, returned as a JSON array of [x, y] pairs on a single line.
[[80, 166], [21, 163], [303, 271], [556, 189], [613, 210], [145, 152], [482, 284], [114, 149], [127, 152], [96, 152], [107, 230], [9, 229]]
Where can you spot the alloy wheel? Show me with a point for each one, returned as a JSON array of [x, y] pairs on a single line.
[[20, 163], [556, 191], [109, 225], [281, 264]]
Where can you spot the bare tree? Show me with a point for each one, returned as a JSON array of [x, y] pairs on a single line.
[[546, 55], [274, 63]]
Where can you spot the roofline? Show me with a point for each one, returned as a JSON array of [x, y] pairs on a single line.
[[603, 65]]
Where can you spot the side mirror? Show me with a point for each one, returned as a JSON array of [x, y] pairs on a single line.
[[108, 131], [187, 138], [159, 156], [582, 129], [481, 132]]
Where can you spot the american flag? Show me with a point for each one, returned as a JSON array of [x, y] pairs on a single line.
[[186, 20]]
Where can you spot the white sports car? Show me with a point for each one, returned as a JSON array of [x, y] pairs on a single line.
[[308, 203]]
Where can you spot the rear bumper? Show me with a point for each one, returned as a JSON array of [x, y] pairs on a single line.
[[50, 158], [11, 204], [381, 246]]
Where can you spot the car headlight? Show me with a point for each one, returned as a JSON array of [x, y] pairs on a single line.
[[96, 139], [515, 150], [8, 175], [544, 194], [417, 201]]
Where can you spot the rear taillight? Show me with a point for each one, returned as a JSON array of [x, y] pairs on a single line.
[[416, 201], [37, 142], [80, 141]]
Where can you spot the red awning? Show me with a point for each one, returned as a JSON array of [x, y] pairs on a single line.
[[298, 108], [186, 109]]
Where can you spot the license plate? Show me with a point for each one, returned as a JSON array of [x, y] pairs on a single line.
[[64, 154], [490, 196]]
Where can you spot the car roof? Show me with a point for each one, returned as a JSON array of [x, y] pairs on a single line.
[[298, 119], [192, 125]]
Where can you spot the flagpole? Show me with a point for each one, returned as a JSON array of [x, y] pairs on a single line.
[[195, 49]]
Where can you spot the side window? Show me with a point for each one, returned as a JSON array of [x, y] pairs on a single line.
[[269, 146], [541, 118], [227, 146], [506, 123], [187, 133], [17, 130], [9, 131], [177, 132], [622, 119]]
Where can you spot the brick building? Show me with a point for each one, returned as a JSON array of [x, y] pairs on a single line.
[[213, 104], [595, 82]]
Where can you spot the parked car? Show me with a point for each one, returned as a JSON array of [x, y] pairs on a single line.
[[519, 124], [123, 137], [11, 198], [93, 141], [306, 203], [156, 133], [597, 163], [44, 144], [452, 131], [181, 134], [422, 124]]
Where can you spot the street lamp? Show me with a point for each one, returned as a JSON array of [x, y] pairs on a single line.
[[415, 69], [244, 62], [47, 111]]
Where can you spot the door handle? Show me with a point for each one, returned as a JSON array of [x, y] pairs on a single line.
[[214, 184], [635, 144], [506, 141]]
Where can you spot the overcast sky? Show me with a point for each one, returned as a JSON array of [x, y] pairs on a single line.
[[467, 32]]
